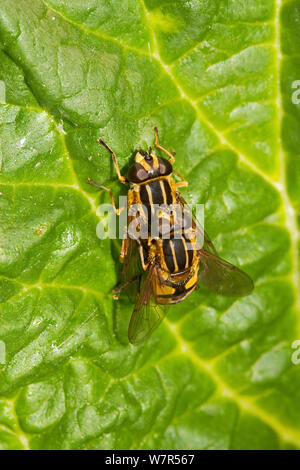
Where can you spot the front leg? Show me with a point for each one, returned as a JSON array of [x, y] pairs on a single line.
[[117, 290], [117, 211]]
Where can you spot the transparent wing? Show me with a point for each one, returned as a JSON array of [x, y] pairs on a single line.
[[215, 273], [207, 243], [147, 315], [132, 270], [222, 277], [131, 265]]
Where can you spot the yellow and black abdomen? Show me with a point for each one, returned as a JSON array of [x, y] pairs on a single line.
[[178, 270], [175, 288], [177, 257]]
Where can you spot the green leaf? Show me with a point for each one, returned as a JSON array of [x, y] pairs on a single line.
[[217, 78]]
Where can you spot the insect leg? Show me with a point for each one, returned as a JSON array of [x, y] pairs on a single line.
[[182, 183], [171, 155], [124, 249], [117, 211], [117, 290], [114, 158], [144, 265]]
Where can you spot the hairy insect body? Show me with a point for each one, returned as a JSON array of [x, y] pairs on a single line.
[[176, 266], [151, 194], [162, 260], [158, 191]]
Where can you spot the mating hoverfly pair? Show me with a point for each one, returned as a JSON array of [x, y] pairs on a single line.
[[164, 270]]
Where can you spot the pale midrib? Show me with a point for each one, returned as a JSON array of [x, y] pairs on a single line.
[[17, 431], [290, 212], [245, 404], [203, 118], [18, 434]]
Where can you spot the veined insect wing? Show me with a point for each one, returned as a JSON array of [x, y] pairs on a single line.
[[222, 277], [147, 314], [132, 270], [215, 273]]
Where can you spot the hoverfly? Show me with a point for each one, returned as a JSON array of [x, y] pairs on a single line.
[[161, 271]]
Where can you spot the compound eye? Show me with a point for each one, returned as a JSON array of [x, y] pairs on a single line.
[[141, 174], [137, 173], [165, 167]]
